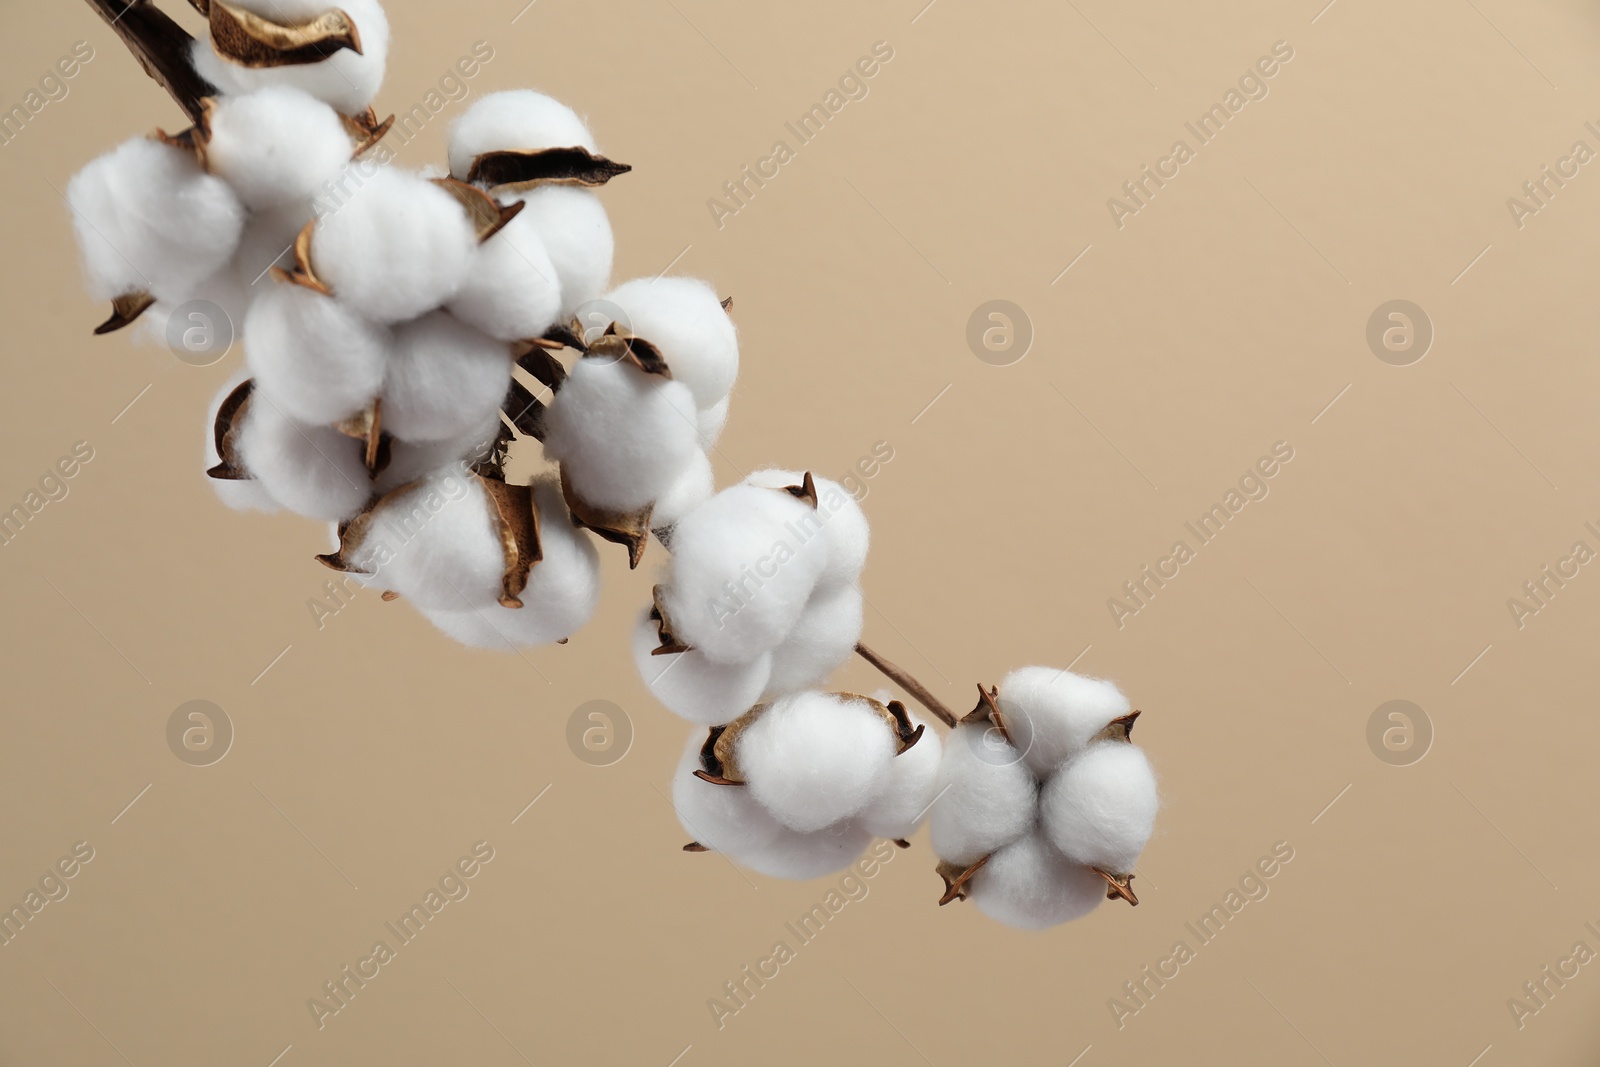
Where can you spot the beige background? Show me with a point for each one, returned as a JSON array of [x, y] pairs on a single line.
[[1223, 318]]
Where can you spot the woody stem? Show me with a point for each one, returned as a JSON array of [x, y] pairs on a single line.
[[899, 677], [162, 48]]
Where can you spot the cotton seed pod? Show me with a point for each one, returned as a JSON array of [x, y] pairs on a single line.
[[744, 565], [908, 790], [1052, 714], [514, 120], [340, 61], [317, 360], [1100, 808], [240, 493], [150, 220], [560, 596], [716, 817], [576, 233], [987, 796], [275, 146], [684, 318], [512, 290], [693, 687], [1030, 886], [400, 247], [822, 639], [837, 515], [314, 471], [798, 857], [444, 379]]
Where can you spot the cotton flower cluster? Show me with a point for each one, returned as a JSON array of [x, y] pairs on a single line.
[[1044, 802]]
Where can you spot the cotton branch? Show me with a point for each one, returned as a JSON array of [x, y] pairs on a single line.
[[899, 677], [162, 48]]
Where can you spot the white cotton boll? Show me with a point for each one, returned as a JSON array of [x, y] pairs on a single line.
[[723, 818], [560, 597], [240, 494], [1030, 886], [987, 795], [409, 461], [316, 359], [797, 856], [820, 642], [445, 379], [436, 544], [276, 145], [684, 318], [909, 789], [516, 120], [398, 248], [577, 236], [693, 687], [314, 471], [741, 573], [512, 290], [692, 487], [1051, 714], [622, 436], [1100, 808], [149, 219], [839, 517], [345, 80], [711, 422], [813, 759]]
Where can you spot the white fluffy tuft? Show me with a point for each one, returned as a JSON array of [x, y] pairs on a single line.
[[345, 80], [797, 856], [242, 494], [711, 422], [821, 641], [684, 318], [724, 818], [988, 797], [577, 236], [1100, 808], [435, 544], [445, 379], [1051, 714], [516, 120], [692, 487], [276, 145], [512, 290], [813, 759], [1030, 886], [838, 515], [313, 471], [909, 790], [317, 360], [693, 687]]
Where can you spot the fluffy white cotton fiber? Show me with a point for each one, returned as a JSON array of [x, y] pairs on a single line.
[[1051, 714], [987, 796], [444, 379], [693, 687], [908, 790], [398, 248], [621, 436], [692, 487], [838, 516], [436, 544], [246, 494], [797, 856], [577, 236], [516, 120], [276, 145], [347, 81], [410, 460], [740, 573], [313, 471], [1028, 885], [149, 219], [512, 290], [683, 317], [813, 759], [821, 641], [317, 360], [1100, 808], [724, 818], [711, 421]]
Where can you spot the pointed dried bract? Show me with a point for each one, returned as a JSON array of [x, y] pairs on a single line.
[[302, 274], [488, 215], [514, 170], [225, 433], [956, 878], [988, 710], [630, 529], [537, 359], [162, 48], [670, 645], [517, 522], [1119, 729], [1118, 886], [695, 846], [388, 596], [568, 336], [806, 490], [366, 130], [366, 425], [712, 768], [904, 731], [525, 410], [252, 41], [125, 310], [727, 304], [615, 345]]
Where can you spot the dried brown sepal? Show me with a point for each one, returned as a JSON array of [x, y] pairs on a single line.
[[516, 520], [250, 40], [695, 846], [225, 433], [1118, 886], [162, 48], [956, 878], [711, 767], [389, 596], [1120, 729], [615, 345], [525, 410], [670, 645], [806, 490], [547, 166], [900, 842], [907, 734], [988, 710], [629, 529], [353, 532], [367, 130], [537, 358], [488, 215], [727, 304], [569, 336], [366, 425], [302, 274], [125, 310]]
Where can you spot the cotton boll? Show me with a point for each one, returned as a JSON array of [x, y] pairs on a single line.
[[149, 219], [684, 318], [693, 687], [318, 361], [797, 856], [987, 796], [562, 591], [240, 494], [398, 248], [445, 379], [711, 421], [517, 120], [740, 574], [909, 790], [409, 461], [1051, 714], [345, 80], [837, 514], [622, 436], [723, 818], [267, 242], [1028, 885], [692, 487], [276, 145], [813, 759], [1100, 808], [577, 236], [436, 544], [512, 290], [313, 471], [821, 641]]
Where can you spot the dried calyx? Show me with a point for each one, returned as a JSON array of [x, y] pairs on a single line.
[[252, 40], [515, 171], [225, 433]]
